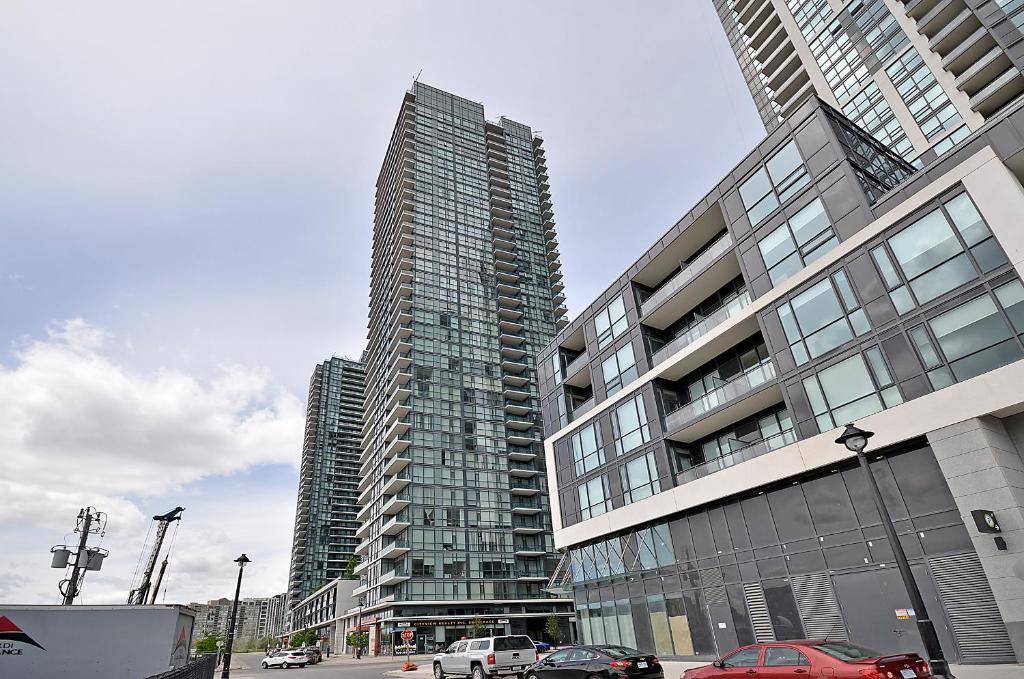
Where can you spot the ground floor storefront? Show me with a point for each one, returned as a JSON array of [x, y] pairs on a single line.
[[806, 558]]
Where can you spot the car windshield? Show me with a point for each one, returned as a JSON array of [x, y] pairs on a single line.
[[513, 644], [617, 651], [845, 651]]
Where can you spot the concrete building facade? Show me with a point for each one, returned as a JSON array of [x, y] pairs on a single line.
[[258, 618], [325, 517], [697, 492], [465, 289], [919, 75]]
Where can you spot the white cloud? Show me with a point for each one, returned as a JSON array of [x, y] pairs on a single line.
[[78, 429]]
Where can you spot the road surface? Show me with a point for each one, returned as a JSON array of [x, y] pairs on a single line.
[[247, 666]]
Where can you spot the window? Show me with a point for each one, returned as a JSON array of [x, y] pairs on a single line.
[[478, 646], [974, 338], [783, 175], [558, 656], [933, 256], [595, 498], [804, 238], [639, 478], [556, 367], [610, 322], [587, 453], [775, 656], [922, 94], [850, 390], [629, 425], [746, 657], [619, 369], [822, 318]]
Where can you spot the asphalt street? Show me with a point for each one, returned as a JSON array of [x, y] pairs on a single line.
[[247, 666]]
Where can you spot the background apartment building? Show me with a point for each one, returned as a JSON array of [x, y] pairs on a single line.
[[325, 517], [916, 74], [465, 289], [698, 493], [258, 618]]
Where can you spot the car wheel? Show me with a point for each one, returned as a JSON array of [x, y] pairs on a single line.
[[438, 672], [478, 673], [285, 665], [265, 665]]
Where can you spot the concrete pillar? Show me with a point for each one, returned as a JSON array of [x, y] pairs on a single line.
[[983, 466]]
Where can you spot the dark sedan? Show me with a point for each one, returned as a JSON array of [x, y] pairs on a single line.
[[597, 662]]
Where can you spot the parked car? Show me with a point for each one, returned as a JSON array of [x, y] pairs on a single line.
[[312, 653], [815, 658], [542, 646], [587, 662], [285, 659], [507, 656]]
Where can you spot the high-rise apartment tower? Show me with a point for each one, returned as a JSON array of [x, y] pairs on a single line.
[[465, 289], [918, 75], [325, 517]]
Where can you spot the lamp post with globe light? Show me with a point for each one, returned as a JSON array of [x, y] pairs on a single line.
[[856, 441]]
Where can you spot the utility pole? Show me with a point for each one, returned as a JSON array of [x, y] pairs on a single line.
[[90, 521]]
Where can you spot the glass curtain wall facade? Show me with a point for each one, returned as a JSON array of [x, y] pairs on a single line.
[[919, 79], [465, 289], [325, 519]]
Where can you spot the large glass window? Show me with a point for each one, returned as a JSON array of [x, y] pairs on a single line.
[[783, 175], [610, 322], [822, 318], [851, 390], [595, 498], [619, 369], [939, 252], [804, 238], [639, 478], [587, 453], [975, 338], [629, 424]]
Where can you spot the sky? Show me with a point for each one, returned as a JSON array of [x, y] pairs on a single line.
[[185, 221]]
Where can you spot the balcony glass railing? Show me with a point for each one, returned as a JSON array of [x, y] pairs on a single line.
[[734, 457], [703, 327], [687, 274], [576, 364], [730, 391], [583, 408]]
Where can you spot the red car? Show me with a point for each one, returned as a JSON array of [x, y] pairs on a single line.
[[811, 659]]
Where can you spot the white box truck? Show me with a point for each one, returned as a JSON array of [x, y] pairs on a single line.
[[93, 642]]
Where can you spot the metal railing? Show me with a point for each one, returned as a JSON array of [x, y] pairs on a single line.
[[734, 457], [702, 328], [686, 274], [730, 391]]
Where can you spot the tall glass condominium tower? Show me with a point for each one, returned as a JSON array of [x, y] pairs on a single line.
[[918, 75], [325, 519], [465, 289]]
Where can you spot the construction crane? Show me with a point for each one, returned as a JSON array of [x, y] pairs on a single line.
[[139, 595]]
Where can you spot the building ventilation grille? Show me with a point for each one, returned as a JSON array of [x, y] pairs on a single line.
[[712, 577], [977, 625], [816, 601], [716, 596], [759, 617]]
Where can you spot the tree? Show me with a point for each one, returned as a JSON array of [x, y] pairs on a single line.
[[350, 568], [360, 640], [477, 628], [208, 644], [303, 638], [551, 629]]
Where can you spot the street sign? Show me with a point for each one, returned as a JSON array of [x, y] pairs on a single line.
[[408, 635], [503, 621], [403, 624]]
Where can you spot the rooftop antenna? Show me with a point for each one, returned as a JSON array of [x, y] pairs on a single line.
[[418, 74]]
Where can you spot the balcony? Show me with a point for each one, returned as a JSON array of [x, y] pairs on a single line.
[[524, 455], [393, 577], [395, 526], [583, 408], [522, 469], [364, 513], [397, 446], [364, 497], [524, 487], [518, 408], [732, 458], [394, 548], [521, 439], [396, 504], [515, 381], [363, 547], [526, 505], [530, 526], [514, 367], [744, 395], [713, 320], [530, 549], [363, 530], [574, 373], [515, 395], [532, 575], [519, 422], [363, 588], [361, 567], [695, 282], [397, 429], [394, 484], [396, 464]]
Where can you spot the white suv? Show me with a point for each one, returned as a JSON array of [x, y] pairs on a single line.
[[488, 657]]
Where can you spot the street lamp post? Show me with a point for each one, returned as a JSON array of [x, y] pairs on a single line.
[[226, 674], [359, 629], [856, 441]]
